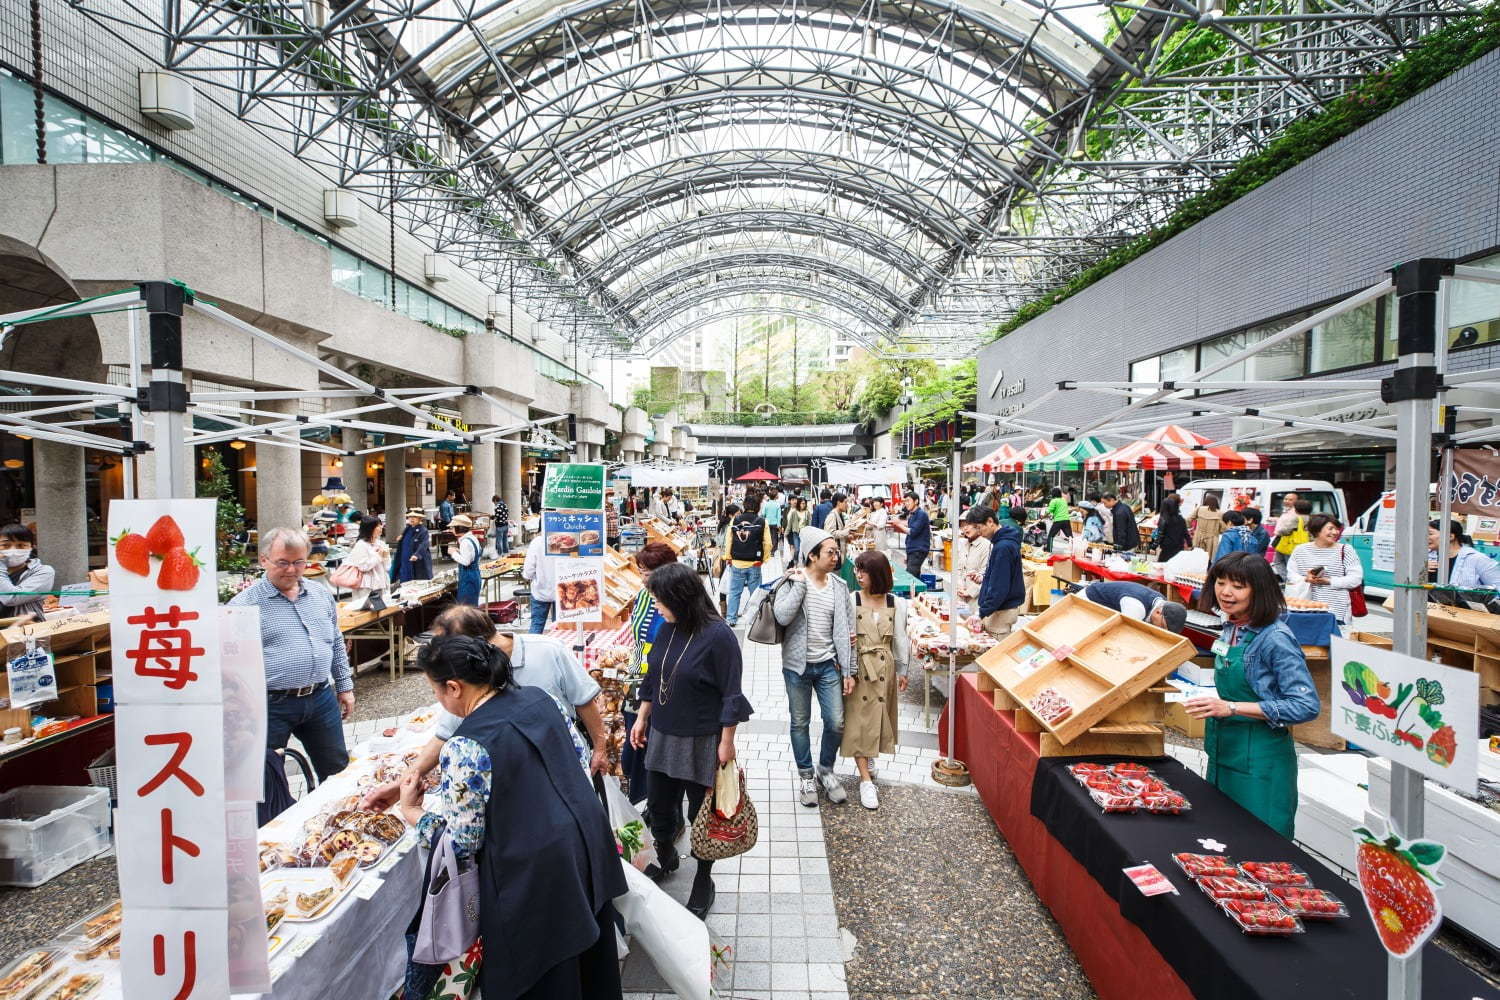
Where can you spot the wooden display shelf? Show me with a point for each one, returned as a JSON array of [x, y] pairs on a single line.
[[1106, 665], [622, 582], [80, 658], [1462, 638]]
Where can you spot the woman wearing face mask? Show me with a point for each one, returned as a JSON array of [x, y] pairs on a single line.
[[26, 581], [1263, 687]]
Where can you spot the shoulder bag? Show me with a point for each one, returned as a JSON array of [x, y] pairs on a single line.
[[1358, 608], [449, 922], [726, 825], [346, 577], [764, 628]]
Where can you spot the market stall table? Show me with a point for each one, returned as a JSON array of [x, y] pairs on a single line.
[[1169, 947], [383, 625]]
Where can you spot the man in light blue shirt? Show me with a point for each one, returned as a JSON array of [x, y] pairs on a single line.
[[771, 509], [309, 683]]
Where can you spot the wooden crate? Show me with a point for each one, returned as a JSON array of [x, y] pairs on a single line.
[[622, 582], [1101, 662], [81, 661]]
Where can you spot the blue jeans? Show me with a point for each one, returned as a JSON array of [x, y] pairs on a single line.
[[540, 612], [825, 679], [502, 540], [315, 721], [747, 578]]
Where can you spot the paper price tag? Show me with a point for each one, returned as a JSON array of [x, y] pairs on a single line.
[[1150, 880], [301, 946], [1063, 652], [368, 888]]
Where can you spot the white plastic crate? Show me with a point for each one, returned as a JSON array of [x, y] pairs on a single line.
[[47, 829]]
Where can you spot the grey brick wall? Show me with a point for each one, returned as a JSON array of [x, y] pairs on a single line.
[[1422, 180]]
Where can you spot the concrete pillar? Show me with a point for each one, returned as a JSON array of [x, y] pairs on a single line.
[[354, 470], [278, 479], [483, 484], [61, 517], [510, 484], [395, 493]]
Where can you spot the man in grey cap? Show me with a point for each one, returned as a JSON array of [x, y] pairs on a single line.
[[1134, 600]]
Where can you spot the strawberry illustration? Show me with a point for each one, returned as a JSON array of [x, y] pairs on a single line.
[[179, 570], [133, 553], [164, 536], [1394, 876]]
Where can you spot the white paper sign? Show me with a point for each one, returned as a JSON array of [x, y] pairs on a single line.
[[1383, 540], [244, 677], [580, 590], [1421, 715], [174, 954], [169, 748], [249, 968]]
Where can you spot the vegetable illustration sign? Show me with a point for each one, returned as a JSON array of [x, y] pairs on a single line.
[[1422, 715], [1397, 879]]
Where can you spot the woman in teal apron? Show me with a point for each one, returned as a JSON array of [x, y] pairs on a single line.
[[1263, 687]]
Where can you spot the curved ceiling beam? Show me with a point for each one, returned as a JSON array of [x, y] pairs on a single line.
[[730, 263], [747, 168], [635, 256], [836, 323], [870, 331], [1071, 53]]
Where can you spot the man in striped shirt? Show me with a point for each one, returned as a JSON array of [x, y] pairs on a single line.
[[309, 684]]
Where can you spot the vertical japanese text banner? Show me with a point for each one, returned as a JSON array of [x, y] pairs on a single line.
[[169, 749]]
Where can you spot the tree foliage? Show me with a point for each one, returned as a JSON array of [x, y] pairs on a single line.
[[1436, 56], [230, 516], [942, 396]]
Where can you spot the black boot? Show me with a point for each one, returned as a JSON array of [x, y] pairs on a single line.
[[667, 862], [701, 900]]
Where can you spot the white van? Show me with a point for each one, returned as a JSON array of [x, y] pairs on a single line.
[[1266, 496]]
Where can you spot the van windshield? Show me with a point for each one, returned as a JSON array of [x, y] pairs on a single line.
[[1323, 502]]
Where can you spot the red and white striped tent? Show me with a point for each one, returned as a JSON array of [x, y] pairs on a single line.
[[1039, 448], [989, 463], [1175, 448]]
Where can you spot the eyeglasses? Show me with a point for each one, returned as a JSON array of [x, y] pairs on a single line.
[[294, 564]]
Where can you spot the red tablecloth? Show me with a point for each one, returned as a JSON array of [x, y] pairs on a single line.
[[1185, 590], [1116, 955]]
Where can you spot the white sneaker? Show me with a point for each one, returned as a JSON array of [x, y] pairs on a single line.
[[807, 791], [868, 797], [832, 788]]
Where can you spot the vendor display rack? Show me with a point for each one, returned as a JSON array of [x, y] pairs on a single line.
[[1105, 667], [81, 661]]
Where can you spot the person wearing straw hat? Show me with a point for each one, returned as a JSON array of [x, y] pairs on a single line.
[[414, 551], [466, 550]]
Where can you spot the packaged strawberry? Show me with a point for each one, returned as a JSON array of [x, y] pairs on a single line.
[[1128, 769], [1275, 873], [1115, 801], [1309, 904], [1165, 803], [1257, 917], [1232, 887], [1201, 865], [1082, 772]]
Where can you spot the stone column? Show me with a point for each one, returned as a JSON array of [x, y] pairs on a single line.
[[395, 493], [61, 517], [510, 485], [354, 470], [483, 467], [278, 479]]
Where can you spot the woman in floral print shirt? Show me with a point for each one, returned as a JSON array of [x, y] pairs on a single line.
[[514, 799]]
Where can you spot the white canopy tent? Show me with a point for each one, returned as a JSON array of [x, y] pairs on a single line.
[[866, 473], [666, 475]]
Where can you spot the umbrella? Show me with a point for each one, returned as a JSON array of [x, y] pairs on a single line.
[[1037, 449], [757, 475], [1069, 459]]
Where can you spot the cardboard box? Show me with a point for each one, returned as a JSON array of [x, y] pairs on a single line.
[[1185, 724]]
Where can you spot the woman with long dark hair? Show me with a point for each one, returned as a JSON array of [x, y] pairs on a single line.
[[370, 556], [1263, 687], [548, 867], [1171, 529], [691, 703]]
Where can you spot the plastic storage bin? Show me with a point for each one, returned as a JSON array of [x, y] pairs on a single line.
[[47, 829]]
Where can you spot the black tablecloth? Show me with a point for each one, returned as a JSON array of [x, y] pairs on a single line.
[[1215, 959]]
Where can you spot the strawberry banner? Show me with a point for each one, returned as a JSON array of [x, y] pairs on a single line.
[[1420, 715], [1398, 879]]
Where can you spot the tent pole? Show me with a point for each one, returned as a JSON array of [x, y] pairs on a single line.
[[1413, 386]]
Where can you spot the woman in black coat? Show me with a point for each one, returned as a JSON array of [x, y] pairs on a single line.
[[514, 796], [1172, 533]]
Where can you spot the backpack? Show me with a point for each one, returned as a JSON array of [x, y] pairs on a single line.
[[745, 537], [1299, 536]]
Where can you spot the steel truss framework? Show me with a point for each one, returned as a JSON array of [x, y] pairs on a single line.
[[907, 170]]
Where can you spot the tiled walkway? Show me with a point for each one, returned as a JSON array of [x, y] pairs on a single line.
[[775, 906]]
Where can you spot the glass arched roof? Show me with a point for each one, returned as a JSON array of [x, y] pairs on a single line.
[[907, 170]]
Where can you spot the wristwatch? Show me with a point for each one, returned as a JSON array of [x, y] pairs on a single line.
[[1233, 709]]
